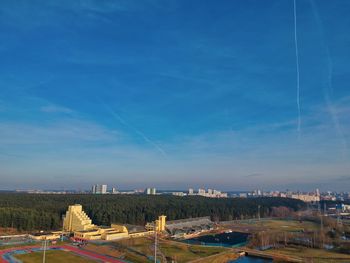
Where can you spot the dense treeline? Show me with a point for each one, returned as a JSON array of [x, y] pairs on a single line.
[[43, 211]]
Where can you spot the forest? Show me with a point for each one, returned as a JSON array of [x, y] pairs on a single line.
[[27, 212]]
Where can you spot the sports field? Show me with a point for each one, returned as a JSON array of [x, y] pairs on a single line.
[[169, 250], [63, 253], [53, 256]]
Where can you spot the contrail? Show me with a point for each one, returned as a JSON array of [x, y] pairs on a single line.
[[327, 90], [297, 64], [138, 132]]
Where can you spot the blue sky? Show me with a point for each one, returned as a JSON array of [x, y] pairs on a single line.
[[174, 94]]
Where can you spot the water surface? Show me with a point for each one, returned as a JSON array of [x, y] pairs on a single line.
[[233, 239], [248, 259]]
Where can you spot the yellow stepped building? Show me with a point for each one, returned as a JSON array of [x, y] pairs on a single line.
[[77, 220]]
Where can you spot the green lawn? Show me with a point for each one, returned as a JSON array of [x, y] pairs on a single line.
[[317, 255], [183, 253], [281, 225], [290, 225], [178, 251], [132, 257], [53, 256]]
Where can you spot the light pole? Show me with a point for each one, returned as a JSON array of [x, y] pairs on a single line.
[[63, 217], [155, 242], [44, 254]]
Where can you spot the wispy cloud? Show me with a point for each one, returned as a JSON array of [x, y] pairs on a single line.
[[254, 175], [56, 109], [328, 86], [39, 13], [62, 132], [135, 130]]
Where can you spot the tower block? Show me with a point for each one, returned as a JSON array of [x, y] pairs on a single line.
[[160, 223]]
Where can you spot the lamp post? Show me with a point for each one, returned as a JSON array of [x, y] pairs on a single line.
[[63, 217], [44, 254], [155, 242]]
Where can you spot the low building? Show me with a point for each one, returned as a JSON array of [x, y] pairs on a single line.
[[178, 193], [183, 227], [212, 193], [45, 236], [105, 233], [308, 198]]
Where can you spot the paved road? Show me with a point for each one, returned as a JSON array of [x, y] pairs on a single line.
[[76, 250]]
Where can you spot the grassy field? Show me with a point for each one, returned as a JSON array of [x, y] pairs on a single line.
[[103, 249], [58, 243], [274, 225], [317, 255], [17, 245], [8, 231], [184, 253], [288, 225], [53, 257], [107, 249], [169, 249], [222, 258]]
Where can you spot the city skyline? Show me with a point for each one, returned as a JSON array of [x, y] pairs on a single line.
[[174, 95]]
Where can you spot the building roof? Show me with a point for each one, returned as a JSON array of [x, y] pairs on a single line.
[[190, 225]]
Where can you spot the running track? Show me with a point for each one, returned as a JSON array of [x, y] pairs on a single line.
[[73, 249]]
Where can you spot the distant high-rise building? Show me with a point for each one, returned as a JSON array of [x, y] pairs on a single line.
[[216, 192], [317, 192], [201, 191], [210, 191], [114, 190], [99, 189], [243, 195], [151, 191], [190, 191]]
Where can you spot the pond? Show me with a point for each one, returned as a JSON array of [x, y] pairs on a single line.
[[232, 239], [248, 259]]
